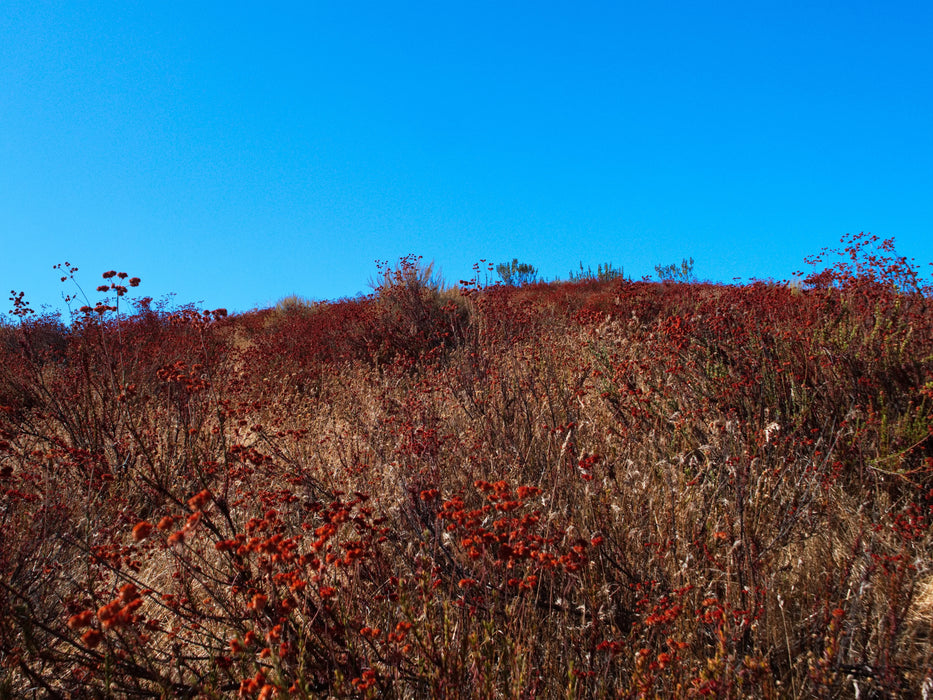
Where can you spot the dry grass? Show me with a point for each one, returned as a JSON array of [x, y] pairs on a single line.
[[593, 489]]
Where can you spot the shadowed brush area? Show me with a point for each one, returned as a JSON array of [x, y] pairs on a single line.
[[584, 489]]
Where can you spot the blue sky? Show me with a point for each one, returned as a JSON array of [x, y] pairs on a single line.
[[235, 153]]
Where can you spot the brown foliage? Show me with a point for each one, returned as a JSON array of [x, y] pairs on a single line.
[[588, 489]]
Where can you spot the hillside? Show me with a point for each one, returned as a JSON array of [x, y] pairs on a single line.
[[582, 489]]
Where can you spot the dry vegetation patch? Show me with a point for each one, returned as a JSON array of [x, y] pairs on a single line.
[[589, 489]]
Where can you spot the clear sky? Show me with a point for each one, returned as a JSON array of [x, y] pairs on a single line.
[[234, 153]]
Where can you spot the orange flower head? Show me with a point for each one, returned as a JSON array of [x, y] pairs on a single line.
[[128, 592], [199, 500], [81, 620], [142, 530], [92, 638]]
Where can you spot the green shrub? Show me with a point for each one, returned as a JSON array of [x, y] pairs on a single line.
[[676, 273], [516, 274], [604, 273]]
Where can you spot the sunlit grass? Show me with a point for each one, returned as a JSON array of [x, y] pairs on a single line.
[[585, 489]]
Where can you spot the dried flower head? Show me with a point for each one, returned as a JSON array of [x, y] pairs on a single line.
[[142, 530]]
